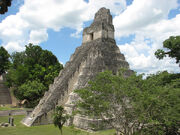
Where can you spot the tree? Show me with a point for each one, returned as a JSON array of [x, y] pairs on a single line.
[[4, 4], [31, 91], [17, 59], [108, 97], [33, 64], [131, 104], [173, 49], [166, 106], [59, 118], [4, 60]]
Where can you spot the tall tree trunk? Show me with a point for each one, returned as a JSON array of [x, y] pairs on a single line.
[[61, 131]]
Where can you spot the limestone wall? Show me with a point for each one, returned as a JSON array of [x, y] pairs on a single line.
[[98, 34], [1, 78], [5, 97], [87, 38], [14, 112], [111, 34], [89, 123]]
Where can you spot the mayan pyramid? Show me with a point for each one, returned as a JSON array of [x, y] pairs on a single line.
[[97, 53]]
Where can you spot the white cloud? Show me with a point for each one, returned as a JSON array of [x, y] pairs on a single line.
[[11, 46], [12, 28], [147, 20], [35, 17], [143, 60], [38, 36], [116, 7], [141, 14]]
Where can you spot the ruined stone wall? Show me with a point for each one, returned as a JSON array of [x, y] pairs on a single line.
[[98, 34], [111, 34], [100, 28], [5, 96], [87, 38]]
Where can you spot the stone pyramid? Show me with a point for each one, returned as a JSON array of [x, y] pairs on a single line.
[[97, 53]]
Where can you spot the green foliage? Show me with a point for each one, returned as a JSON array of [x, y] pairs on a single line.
[[149, 106], [160, 54], [59, 118], [4, 4], [4, 60], [33, 64], [31, 91], [108, 96], [173, 46], [163, 78], [166, 106], [18, 76], [17, 59]]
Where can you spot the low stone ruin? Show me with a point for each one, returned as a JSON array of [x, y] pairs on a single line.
[[9, 124]]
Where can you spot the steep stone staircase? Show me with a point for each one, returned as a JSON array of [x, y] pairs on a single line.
[[5, 97]]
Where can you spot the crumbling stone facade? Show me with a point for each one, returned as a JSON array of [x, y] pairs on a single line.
[[97, 53], [102, 27], [5, 96]]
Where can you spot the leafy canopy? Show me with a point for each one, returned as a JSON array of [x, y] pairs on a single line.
[[4, 4], [133, 105], [31, 91], [4, 60], [172, 45], [30, 67]]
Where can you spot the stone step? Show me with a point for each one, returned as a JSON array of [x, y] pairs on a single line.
[[4, 90], [2, 97], [2, 85], [5, 93], [28, 121], [5, 100], [5, 97]]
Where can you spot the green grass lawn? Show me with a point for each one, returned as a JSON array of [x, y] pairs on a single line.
[[20, 129], [8, 107]]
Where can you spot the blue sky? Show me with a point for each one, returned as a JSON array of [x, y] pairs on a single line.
[[140, 28]]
